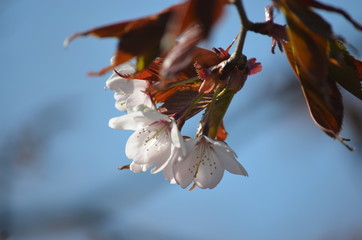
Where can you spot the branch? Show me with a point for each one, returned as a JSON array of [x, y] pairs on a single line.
[[270, 29], [244, 27]]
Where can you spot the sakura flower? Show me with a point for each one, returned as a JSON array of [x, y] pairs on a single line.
[[128, 93], [205, 163], [156, 140]]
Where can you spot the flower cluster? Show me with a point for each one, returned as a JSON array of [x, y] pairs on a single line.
[[157, 142]]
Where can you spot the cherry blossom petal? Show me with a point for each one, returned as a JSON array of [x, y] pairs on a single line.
[[158, 150], [210, 171], [184, 169], [131, 121], [168, 174], [176, 137], [162, 164], [121, 101], [151, 114], [138, 98], [229, 161], [116, 83], [134, 147], [138, 168]]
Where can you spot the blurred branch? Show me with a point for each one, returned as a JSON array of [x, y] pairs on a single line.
[[24, 146]]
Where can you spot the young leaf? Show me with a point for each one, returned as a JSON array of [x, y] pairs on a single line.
[[310, 46], [345, 69], [324, 100], [139, 37], [316, 4], [199, 18]]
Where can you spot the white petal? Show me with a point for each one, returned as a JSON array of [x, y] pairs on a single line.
[[138, 98], [157, 151], [120, 96], [149, 145], [139, 85], [154, 115], [168, 174], [163, 165], [121, 105], [116, 83], [125, 68], [228, 160], [131, 121], [140, 117], [131, 85], [121, 100], [134, 147], [210, 171], [137, 168], [176, 137]]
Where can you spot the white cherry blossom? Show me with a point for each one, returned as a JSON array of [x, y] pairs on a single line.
[[205, 163], [155, 142], [128, 93]]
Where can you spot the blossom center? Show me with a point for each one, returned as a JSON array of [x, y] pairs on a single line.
[[155, 136], [203, 159]]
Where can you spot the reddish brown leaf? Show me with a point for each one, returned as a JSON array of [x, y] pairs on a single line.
[[137, 37], [316, 4], [202, 12], [310, 46], [200, 15], [181, 55], [345, 69], [180, 101], [324, 100], [161, 89]]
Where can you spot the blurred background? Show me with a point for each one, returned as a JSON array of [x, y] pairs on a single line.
[[59, 159]]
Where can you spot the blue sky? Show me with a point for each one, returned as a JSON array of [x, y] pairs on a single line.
[[302, 184]]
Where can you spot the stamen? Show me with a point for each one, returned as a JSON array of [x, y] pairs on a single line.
[[156, 134]]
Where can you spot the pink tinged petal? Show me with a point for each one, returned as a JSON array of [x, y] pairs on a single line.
[[210, 171], [184, 169], [254, 67], [228, 160]]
